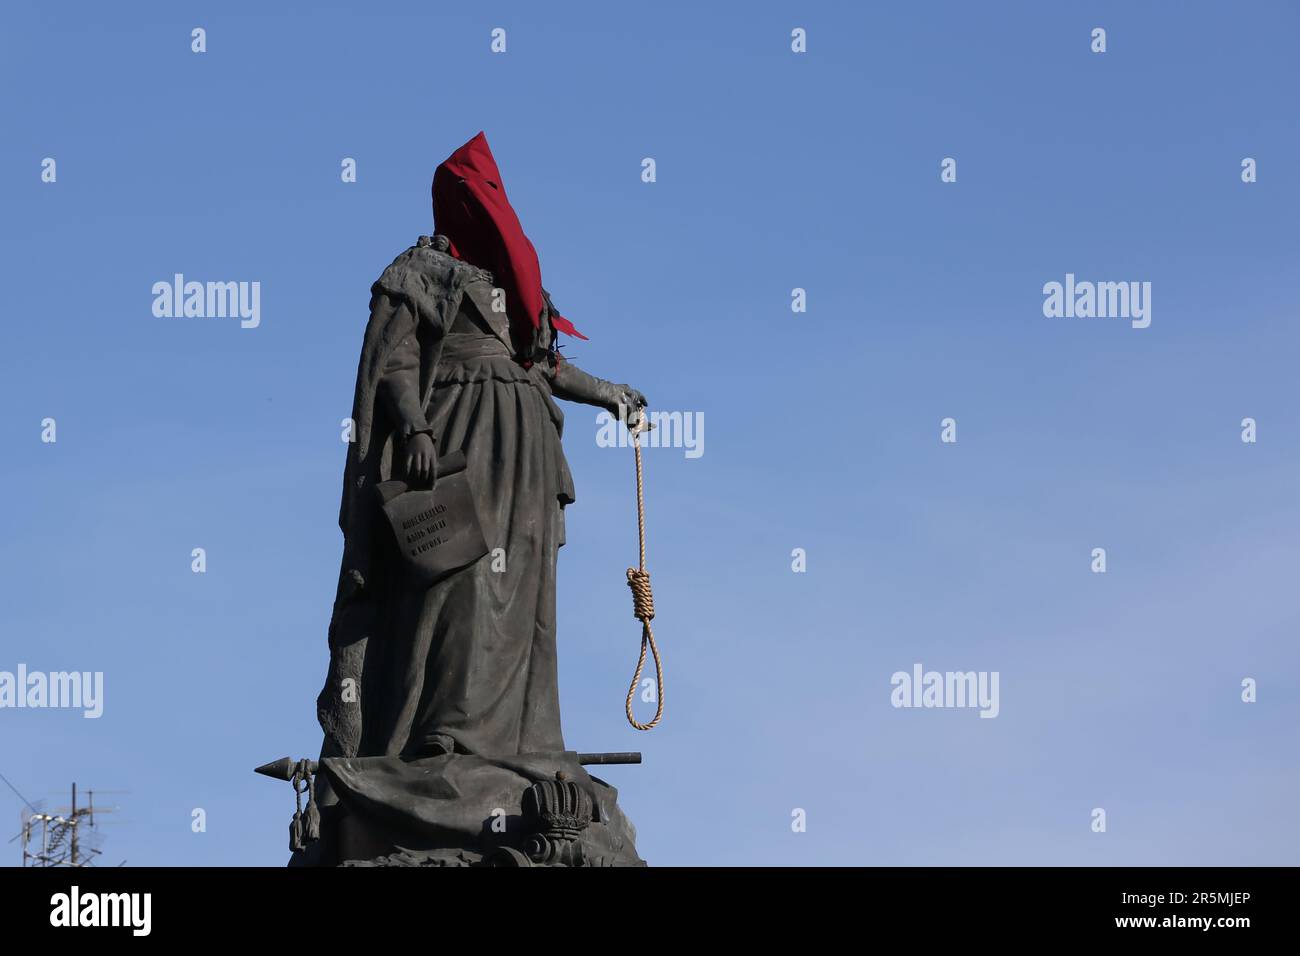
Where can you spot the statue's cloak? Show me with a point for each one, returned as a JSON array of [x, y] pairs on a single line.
[[441, 706], [428, 285]]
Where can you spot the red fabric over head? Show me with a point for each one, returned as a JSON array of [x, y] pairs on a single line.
[[470, 208]]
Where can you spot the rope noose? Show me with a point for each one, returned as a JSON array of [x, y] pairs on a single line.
[[643, 602]]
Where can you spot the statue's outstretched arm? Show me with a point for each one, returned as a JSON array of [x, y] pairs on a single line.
[[573, 384]]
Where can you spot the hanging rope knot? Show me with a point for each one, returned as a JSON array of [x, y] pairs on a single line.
[[643, 606], [643, 602]]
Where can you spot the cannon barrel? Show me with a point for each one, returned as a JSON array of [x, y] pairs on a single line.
[[626, 756], [284, 768]]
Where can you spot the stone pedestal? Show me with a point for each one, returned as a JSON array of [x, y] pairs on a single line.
[[467, 810]]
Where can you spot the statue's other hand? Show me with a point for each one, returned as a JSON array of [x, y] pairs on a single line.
[[421, 459], [628, 401]]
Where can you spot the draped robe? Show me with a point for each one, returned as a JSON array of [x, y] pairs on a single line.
[[468, 665]]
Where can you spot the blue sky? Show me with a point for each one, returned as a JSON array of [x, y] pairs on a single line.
[[775, 170]]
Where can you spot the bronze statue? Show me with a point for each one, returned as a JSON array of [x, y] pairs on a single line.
[[441, 708]]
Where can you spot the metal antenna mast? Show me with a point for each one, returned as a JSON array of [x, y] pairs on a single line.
[[55, 839]]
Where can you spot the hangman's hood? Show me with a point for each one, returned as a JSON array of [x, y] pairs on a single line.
[[471, 209]]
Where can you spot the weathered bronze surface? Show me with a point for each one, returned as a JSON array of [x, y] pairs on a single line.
[[437, 530], [441, 706]]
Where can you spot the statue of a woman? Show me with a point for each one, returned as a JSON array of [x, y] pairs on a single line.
[[459, 355]]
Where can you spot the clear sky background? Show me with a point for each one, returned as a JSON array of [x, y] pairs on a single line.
[[775, 170]]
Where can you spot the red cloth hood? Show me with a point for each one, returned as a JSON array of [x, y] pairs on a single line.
[[470, 208]]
